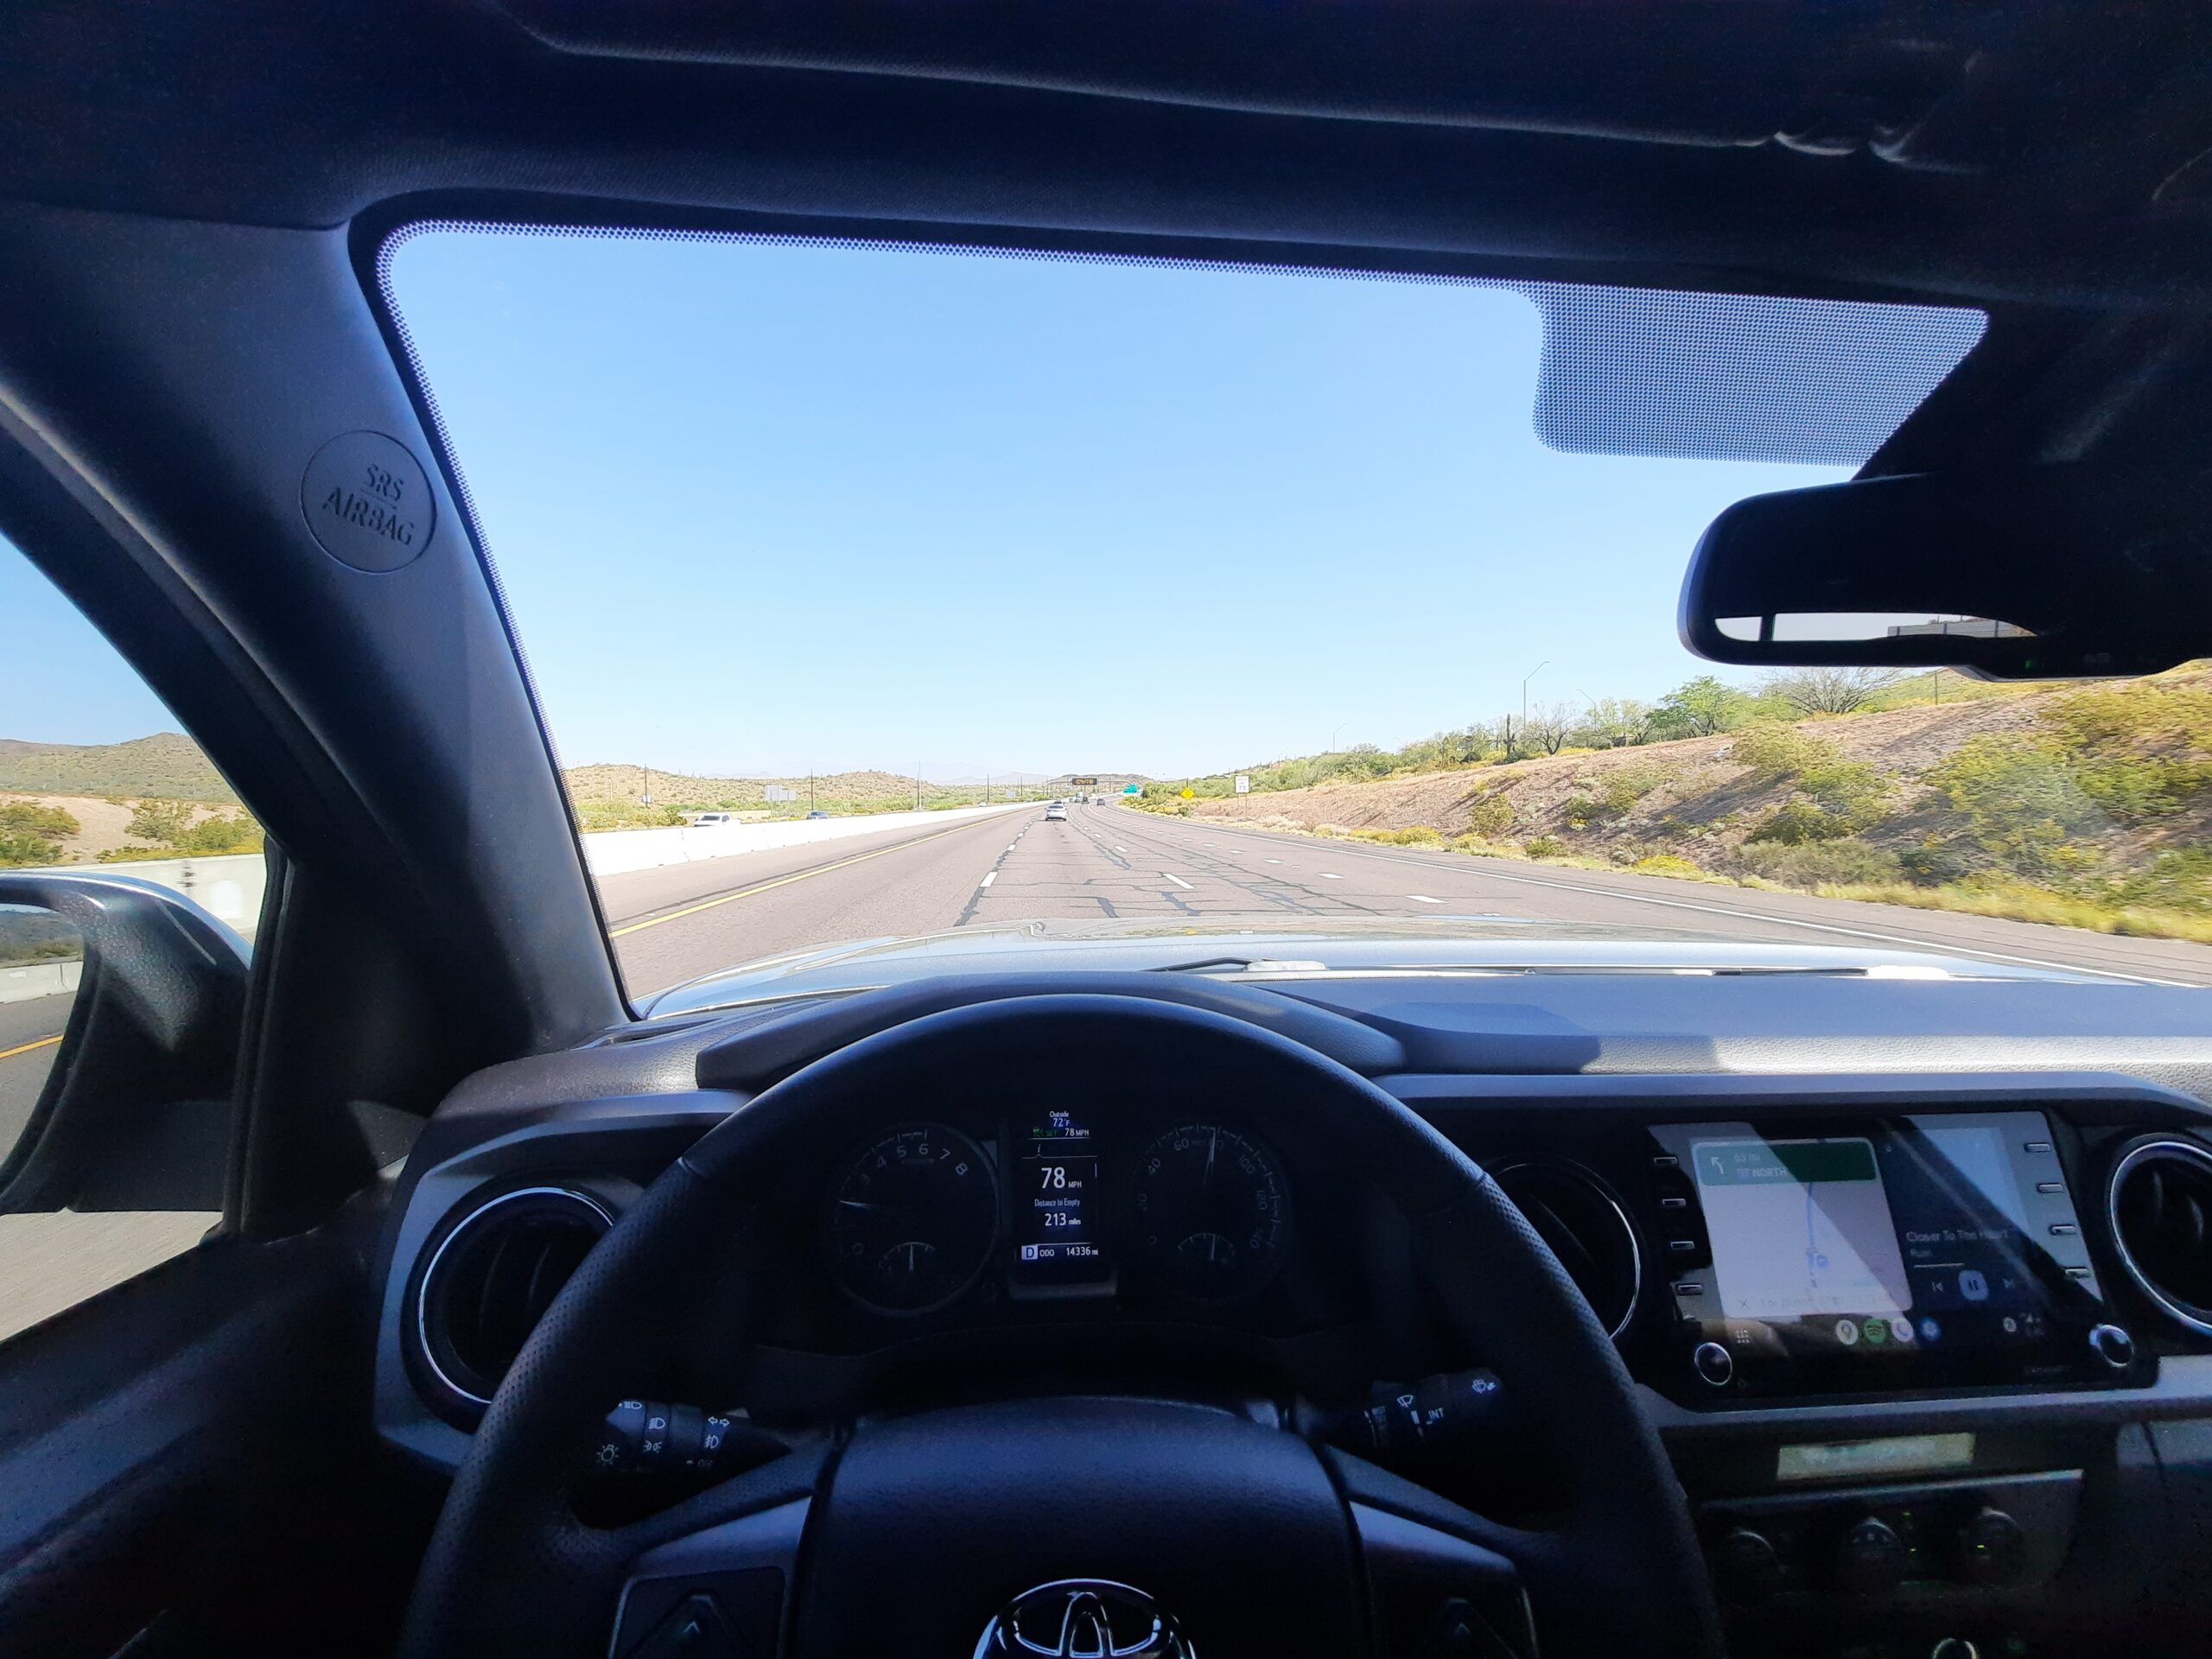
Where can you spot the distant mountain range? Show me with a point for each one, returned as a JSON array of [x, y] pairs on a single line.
[[168, 765]]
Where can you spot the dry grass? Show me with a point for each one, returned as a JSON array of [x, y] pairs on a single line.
[[2033, 904]]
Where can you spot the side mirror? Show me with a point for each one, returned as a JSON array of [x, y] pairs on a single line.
[[2027, 573], [131, 1108]]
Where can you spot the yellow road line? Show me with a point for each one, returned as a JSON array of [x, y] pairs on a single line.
[[780, 881], [25, 1048]]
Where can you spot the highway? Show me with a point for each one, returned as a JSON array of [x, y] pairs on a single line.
[[31, 1032], [1108, 863]]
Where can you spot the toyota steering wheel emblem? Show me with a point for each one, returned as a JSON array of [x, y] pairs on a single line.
[[1082, 1618]]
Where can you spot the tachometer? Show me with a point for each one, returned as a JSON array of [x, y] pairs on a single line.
[[913, 1218], [1213, 1210]]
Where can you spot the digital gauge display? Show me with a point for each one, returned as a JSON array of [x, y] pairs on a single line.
[[1057, 1209]]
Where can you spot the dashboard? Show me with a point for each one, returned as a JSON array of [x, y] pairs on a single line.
[[1917, 1343]]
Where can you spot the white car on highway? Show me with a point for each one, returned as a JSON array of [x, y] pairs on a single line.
[[1056, 809]]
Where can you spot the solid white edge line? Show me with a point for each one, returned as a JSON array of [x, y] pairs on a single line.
[[1749, 915]]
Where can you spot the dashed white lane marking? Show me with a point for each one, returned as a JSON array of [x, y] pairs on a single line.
[[1119, 848], [1423, 898], [1331, 875], [988, 879], [1178, 880], [1274, 861]]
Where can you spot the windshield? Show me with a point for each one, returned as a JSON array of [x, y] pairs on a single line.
[[890, 593]]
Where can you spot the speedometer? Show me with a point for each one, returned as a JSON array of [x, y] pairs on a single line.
[[913, 1218], [1213, 1210]]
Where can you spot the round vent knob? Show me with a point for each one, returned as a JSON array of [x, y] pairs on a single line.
[[2161, 1198], [1577, 1215], [492, 1278]]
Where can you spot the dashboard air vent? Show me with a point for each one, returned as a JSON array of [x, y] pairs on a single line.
[[1587, 1231], [492, 1278], [2161, 1198]]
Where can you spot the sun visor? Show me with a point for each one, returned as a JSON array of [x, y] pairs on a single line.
[[1731, 376]]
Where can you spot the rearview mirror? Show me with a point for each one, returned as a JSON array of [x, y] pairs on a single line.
[[2027, 573]]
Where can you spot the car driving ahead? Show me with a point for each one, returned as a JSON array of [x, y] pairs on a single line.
[[1632, 1074]]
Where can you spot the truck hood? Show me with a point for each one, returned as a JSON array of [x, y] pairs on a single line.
[[1252, 951]]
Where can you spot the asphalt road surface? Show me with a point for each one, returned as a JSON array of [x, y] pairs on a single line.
[[1108, 862], [30, 1038]]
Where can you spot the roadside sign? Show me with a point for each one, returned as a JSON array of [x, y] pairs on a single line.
[[778, 792], [1188, 794], [1083, 783], [1131, 789], [1243, 782]]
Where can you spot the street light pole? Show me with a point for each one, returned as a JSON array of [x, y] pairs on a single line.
[[1525, 678]]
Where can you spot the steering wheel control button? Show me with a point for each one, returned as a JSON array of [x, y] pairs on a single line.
[[1082, 1618], [1871, 1559], [695, 1629], [367, 502], [1714, 1365], [2113, 1345], [1747, 1566]]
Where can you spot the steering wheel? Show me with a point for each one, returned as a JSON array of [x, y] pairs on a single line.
[[911, 1537]]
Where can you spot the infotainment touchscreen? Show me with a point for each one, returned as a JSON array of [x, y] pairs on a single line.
[[1801, 1228], [1942, 1246]]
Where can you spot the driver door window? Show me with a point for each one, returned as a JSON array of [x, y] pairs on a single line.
[[114, 1141]]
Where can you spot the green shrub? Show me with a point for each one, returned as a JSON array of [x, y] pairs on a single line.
[[27, 831], [177, 833], [1666, 864], [1544, 847], [1773, 751], [1613, 795], [1417, 834], [2019, 799], [1819, 863], [1583, 810], [2179, 879], [1492, 816], [1797, 822], [592, 816], [19, 849]]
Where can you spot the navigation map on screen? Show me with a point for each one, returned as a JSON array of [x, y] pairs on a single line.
[[1800, 1228]]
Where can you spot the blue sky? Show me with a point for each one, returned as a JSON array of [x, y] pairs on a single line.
[[763, 509], [64, 682]]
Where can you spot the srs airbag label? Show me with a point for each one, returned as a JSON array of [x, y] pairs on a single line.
[[368, 501]]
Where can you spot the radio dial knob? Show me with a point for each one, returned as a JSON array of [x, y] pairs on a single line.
[[1992, 1550], [1871, 1559]]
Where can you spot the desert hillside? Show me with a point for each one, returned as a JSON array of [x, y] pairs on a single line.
[[2087, 804]]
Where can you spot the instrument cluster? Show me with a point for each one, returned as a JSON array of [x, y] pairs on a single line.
[[922, 1212]]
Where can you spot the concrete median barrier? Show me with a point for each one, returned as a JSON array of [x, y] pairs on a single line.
[[231, 888]]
